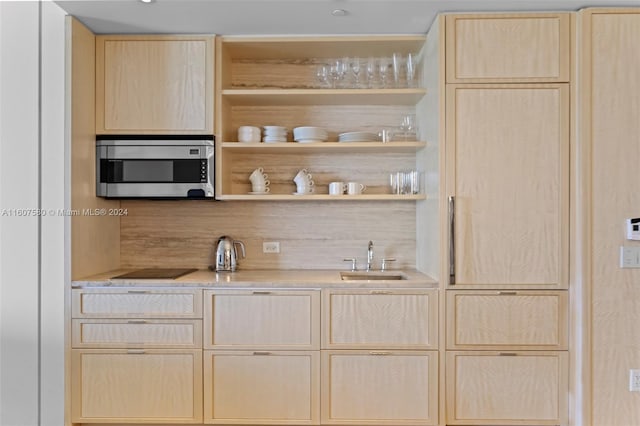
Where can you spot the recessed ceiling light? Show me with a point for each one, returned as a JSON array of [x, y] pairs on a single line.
[[147, 1], [339, 12]]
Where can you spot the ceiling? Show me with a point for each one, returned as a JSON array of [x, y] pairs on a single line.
[[232, 17]]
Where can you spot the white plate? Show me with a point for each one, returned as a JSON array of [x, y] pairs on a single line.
[[258, 193], [357, 137], [309, 140], [302, 193], [275, 128], [271, 139]]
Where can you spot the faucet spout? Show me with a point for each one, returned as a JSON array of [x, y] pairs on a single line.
[[370, 256]]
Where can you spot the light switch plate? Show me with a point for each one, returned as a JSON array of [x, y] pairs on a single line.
[[271, 247], [629, 257], [634, 380]]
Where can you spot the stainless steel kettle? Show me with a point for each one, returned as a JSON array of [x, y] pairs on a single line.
[[226, 254]]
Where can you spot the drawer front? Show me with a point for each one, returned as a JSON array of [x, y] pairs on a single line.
[[507, 319], [95, 333], [380, 387], [136, 303], [493, 388], [380, 318], [274, 320], [136, 386], [246, 387], [508, 48]]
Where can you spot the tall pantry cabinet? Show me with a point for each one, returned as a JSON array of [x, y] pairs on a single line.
[[507, 187]]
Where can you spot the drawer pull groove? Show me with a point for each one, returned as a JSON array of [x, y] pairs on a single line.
[[137, 291], [507, 293], [261, 353], [508, 354], [379, 353], [261, 292], [135, 351], [136, 322], [381, 292]]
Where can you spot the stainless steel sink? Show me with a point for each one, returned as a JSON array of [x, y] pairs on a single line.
[[372, 275]]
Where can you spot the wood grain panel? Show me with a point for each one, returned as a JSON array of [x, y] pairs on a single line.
[[102, 333], [122, 303], [509, 319], [95, 240], [154, 84], [395, 388], [248, 388], [611, 127], [527, 47], [312, 235], [486, 388], [380, 319], [508, 169], [273, 320], [114, 385]]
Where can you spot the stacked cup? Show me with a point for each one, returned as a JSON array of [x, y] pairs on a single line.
[[248, 134], [274, 134], [259, 182], [304, 183]]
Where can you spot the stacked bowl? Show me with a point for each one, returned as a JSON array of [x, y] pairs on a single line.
[[309, 134], [274, 134]]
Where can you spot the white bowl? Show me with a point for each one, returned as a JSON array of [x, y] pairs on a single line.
[[309, 132]]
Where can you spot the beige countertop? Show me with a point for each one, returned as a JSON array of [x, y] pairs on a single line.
[[299, 278]]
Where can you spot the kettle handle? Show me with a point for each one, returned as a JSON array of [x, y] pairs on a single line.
[[241, 244]]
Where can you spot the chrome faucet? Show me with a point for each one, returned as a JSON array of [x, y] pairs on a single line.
[[370, 256]]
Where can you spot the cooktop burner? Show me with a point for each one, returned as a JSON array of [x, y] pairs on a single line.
[[156, 273]]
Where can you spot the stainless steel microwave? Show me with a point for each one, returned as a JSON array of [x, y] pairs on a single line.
[[155, 167]]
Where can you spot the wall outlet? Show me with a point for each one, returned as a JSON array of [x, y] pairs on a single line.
[[629, 257], [634, 380], [271, 247]]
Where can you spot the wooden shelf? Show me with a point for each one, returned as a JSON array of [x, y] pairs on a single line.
[[347, 147], [322, 197], [261, 97], [250, 47]]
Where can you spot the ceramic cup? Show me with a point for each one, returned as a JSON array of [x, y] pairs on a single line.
[[305, 189], [302, 176], [355, 188], [258, 174], [337, 188], [260, 188], [248, 134]]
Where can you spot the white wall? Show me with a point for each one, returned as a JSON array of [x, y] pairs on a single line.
[[32, 255]]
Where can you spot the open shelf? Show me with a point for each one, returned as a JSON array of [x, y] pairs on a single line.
[[260, 97], [323, 197], [346, 147]]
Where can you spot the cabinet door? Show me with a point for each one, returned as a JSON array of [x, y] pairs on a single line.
[[380, 319], [136, 303], [507, 165], [136, 386], [262, 320], [515, 388], [262, 387], [154, 84], [507, 319], [508, 48], [379, 387], [104, 333]]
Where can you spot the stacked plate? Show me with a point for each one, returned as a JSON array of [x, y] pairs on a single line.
[[310, 134], [358, 137], [274, 134]]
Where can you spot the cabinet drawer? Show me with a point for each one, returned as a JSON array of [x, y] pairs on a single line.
[[136, 386], [513, 319], [494, 388], [96, 333], [280, 387], [380, 318], [257, 319], [128, 303], [508, 48], [380, 387]]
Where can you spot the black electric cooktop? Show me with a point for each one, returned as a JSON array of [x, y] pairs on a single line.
[[156, 273]]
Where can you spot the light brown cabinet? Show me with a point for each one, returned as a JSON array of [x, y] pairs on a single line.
[[136, 355], [265, 366], [261, 387], [508, 48], [507, 388], [517, 320], [379, 387], [154, 84], [507, 165], [380, 319]]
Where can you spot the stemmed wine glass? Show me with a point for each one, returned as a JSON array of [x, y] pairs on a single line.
[[383, 66], [322, 74], [371, 71], [337, 71], [355, 69]]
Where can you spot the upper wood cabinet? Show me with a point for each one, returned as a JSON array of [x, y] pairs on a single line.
[[507, 165], [515, 48], [154, 84]]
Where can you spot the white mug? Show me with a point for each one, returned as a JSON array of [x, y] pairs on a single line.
[[248, 134], [257, 173], [355, 188], [259, 188], [336, 188], [302, 176]]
